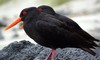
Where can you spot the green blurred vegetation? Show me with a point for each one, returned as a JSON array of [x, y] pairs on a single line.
[[55, 2], [50, 2], [3, 1]]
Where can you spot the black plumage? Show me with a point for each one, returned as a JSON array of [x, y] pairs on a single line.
[[55, 31], [67, 21], [74, 26], [52, 30]]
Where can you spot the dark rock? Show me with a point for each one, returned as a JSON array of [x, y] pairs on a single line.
[[25, 50]]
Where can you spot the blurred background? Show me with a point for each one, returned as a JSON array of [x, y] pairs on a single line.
[[85, 12]]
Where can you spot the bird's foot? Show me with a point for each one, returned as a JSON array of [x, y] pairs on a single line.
[[51, 55]]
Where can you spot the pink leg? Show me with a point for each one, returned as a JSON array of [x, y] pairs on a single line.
[[51, 55], [48, 57]]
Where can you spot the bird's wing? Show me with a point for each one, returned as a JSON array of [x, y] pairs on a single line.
[[76, 28], [89, 51], [52, 27]]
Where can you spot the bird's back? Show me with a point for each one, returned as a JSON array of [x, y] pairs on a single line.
[[75, 27], [57, 34]]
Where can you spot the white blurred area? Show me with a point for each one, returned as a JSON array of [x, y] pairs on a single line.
[[85, 12]]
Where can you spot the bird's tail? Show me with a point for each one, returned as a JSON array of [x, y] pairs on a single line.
[[89, 51], [97, 40]]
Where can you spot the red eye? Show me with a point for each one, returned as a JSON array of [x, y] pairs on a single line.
[[40, 9], [24, 12]]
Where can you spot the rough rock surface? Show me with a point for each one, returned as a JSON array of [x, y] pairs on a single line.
[[25, 50]]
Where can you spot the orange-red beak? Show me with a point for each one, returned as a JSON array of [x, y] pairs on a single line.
[[13, 24]]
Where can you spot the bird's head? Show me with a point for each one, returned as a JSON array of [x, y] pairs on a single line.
[[46, 9], [24, 13]]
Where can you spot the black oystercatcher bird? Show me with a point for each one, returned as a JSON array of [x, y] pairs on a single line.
[[50, 31], [71, 23]]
